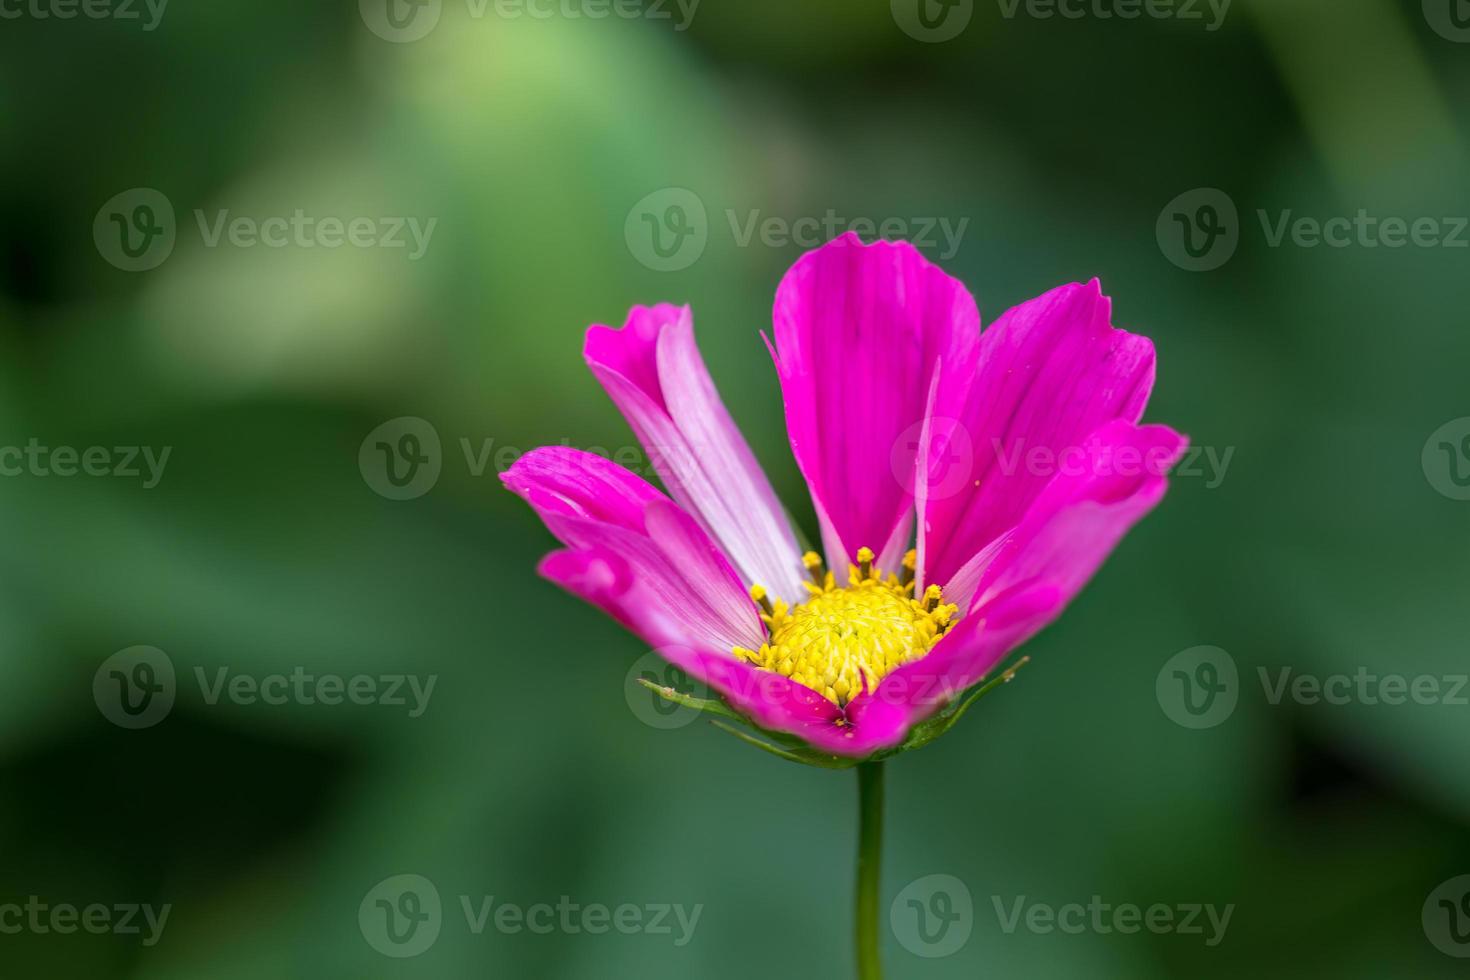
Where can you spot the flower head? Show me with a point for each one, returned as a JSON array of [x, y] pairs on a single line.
[[966, 484]]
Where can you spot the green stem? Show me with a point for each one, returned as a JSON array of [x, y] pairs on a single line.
[[869, 863]]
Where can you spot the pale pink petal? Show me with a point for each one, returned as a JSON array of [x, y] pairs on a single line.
[[860, 332], [654, 373], [1052, 371]]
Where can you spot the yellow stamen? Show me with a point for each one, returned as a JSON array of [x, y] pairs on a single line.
[[843, 641]]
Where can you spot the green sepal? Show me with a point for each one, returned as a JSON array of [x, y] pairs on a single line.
[[793, 748], [804, 756], [708, 706]]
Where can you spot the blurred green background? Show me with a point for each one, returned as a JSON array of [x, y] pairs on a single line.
[[1327, 547]]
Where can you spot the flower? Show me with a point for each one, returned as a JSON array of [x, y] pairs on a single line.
[[1017, 448]]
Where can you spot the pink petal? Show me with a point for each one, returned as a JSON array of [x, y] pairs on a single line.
[[772, 701], [1077, 521], [1052, 371], [972, 649], [581, 484], [634, 553], [1040, 565], [653, 371], [860, 332]]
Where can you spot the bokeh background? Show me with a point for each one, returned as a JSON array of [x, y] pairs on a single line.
[[1327, 546]]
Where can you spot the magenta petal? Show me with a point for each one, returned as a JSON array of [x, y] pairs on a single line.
[[581, 484], [1030, 574], [1076, 522], [770, 700], [971, 650], [860, 332], [654, 373], [1052, 371], [634, 553], [601, 577]]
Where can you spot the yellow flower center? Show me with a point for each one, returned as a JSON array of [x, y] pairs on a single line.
[[842, 641]]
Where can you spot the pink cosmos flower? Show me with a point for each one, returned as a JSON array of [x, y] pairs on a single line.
[[967, 485]]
